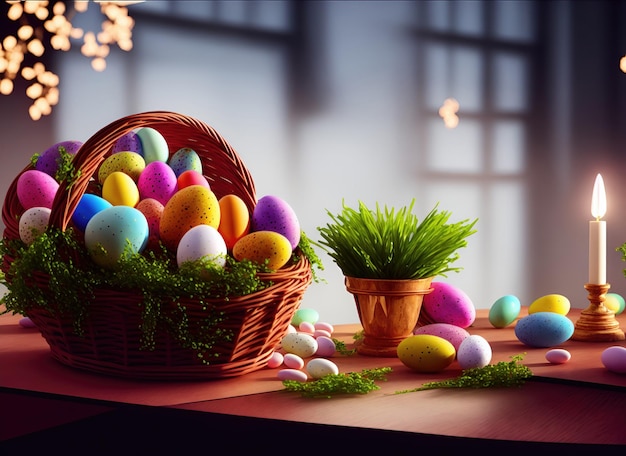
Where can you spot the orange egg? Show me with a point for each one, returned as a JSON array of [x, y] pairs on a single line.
[[260, 246], [188, 207], [234, 219]]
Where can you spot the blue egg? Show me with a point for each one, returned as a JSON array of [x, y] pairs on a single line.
[[88, 206], [544, 329]]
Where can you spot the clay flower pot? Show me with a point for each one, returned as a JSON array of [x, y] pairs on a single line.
[[388, 311]]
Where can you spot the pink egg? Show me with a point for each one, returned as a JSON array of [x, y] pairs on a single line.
[[276, 360], [26, 322], [325, 347], [324, 326], [36, 189], [272, 213], [292, 374], [306, 327], [320, 332], [614, 359], [448, 304], [452, 333], [157, 181], [293, 361], [558, 356]]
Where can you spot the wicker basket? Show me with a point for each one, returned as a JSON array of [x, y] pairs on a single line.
[[111, 340]]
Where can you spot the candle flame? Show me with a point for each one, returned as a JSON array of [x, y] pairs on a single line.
[[598, 198]]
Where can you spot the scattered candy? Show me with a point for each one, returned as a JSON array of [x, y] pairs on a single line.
[[276, 360], [558, 356], [293, 361], [319, 367], [26, 322], [292, 374]]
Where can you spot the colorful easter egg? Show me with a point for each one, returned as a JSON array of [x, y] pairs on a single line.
[[129, 142], [33, 222], [263, 247], [426, 353], [614, 302], [544, 329], [504, 311], [185, 159], [452, 333], [234, 219], [550, 303], [153, 145], [202, 241], [48, 161], [474, 351], [321, 367], [120, 189], [130, 163], [192, 177], [157, 181], [447, 304], [152, 210], [272, 213], [36, 189], [88, 206]]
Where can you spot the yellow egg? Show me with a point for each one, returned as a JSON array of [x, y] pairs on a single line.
[[188, 207], [261, 246], [234, 219], [120, 189], [555, 303], [426, 353], [130, 163], [614, 302]]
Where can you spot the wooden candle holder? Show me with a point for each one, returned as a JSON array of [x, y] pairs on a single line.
[[597, 323]]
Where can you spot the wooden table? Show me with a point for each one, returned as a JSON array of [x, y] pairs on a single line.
[[578, 405]]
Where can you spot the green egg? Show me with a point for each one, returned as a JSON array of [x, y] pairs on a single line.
[[305, 314], [615, 302], [504, 311]]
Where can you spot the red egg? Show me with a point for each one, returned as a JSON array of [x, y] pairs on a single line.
[[192, 177]]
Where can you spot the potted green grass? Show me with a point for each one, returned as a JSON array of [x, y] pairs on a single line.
[[389, 259]]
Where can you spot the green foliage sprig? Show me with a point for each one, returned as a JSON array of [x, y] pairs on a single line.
[[500, 375], [393, 244], [339, 384]]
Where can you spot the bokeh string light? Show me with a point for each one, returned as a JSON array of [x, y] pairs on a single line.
[[448, 112], [48, 25]]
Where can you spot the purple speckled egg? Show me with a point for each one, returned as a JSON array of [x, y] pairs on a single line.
[[448, 304], [48, 161], [272, 213], [473, 352], [452, 333], [36, 189], [157, 181], [129, 142]]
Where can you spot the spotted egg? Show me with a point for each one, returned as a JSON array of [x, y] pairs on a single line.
[[128, 142], [273, 213], [130, 163], [544, 329], [426, 353], [152, 210], [301, 344], [157, 181], [33, 222], [153, 145], [36, 189], [452, 333], [263, 247], [474, 351], [321, 367], [188, 207], [185, 159], [447, 304], [48, 161]]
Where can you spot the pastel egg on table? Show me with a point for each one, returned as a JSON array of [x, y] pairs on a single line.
[[36, 189], [301, 344], [544, 329], [49, 160], [553, 302], [504, 311], [474, 352], [157, 181], [320, 367], [447, 303], [452, 333], [272, 213], [614, 359], [614, 302], [426, 353]]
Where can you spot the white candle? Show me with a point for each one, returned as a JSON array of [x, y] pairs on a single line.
[[597, 234]]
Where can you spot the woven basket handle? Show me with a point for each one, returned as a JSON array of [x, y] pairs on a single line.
[[221, 164]]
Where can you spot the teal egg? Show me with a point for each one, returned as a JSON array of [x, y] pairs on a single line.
[[504, 311], [305, 314], [185, 159], [153, 145]]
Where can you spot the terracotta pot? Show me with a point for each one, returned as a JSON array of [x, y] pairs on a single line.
[[388, 311]]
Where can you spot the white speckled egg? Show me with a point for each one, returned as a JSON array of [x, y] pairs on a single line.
[[320, 367], [202, 241], [301, 344], [447, 304], [614, 359], [504, 311], [452, 333], [33, 222], [544, 329], [474, 351], [558, 356]]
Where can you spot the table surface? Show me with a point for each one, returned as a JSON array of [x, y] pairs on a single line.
[[579, 402]]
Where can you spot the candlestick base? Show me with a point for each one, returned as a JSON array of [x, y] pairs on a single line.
[[597, 323]]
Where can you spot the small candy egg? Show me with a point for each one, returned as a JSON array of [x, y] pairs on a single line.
[[157, 181], [544, 329], [301, 344], [234, 219], [614, 359], [272, 213], [452, 333], [153, 145], [202, 241], [293, 361], [192, 177], [120, 189], [26, 322], [306, 327], [320, 367], [113, 230], [128, 142], [504, 311], [48, 161], [130, 163], [305, 314], [36, 189], [474, 351], [188, 207], [320, 332], [292, 374], [447, 304], [33, 222], [325, 326], [88, 205], [325, 346], [263, 247], [550, 303], [426, 353], [185, 159], [614, 302], [276, 360], [558, 356]]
